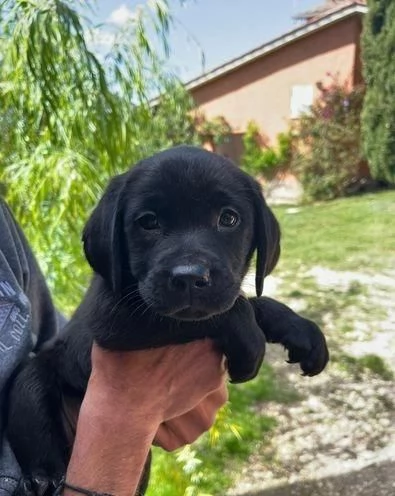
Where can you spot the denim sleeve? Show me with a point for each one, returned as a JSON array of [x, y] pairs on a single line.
[[27, 320], [15, 344]]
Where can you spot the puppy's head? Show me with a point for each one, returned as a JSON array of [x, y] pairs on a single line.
[[182, 227]]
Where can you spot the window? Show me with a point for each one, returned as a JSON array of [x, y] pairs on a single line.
[[302, 97]]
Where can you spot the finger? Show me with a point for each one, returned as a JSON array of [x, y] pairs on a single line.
[[186, 428], [181, 431], [215, 400]]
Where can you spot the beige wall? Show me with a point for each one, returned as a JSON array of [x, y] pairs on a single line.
[[261, 90]]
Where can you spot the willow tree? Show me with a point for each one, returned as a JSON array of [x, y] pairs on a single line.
[[378, 116], [70, 119]]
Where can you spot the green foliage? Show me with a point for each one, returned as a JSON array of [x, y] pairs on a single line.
[[70, 120], [252, 153], [209, 466], [284, 148], [172, 118], [215, 130], [264, 160], [378, 116], [328, 155]]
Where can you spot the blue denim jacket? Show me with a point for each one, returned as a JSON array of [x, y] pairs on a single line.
[[27, 320]]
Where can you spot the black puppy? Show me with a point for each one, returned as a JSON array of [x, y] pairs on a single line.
[[170, 243]]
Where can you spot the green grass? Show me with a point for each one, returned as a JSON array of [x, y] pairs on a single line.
[[339, 305], [348, 234], [360, 367]]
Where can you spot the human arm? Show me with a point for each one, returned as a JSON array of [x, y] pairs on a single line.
[[132, 397]]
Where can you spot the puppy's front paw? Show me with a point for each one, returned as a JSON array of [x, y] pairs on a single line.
[[301, 337], [242, 342], [306, 345], [246, 367]]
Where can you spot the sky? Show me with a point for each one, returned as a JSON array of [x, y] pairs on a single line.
[[221, 29]]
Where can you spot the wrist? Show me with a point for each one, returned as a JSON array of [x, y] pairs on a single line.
[[112, 445]]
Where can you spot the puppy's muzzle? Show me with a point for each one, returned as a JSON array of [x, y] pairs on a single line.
[[186, 278]]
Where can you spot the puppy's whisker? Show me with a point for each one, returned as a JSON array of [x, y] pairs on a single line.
[[149, 306], [128, 297], [138, 308]]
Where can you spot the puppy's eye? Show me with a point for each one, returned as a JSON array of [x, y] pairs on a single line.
[[228, 218], [148, 221]]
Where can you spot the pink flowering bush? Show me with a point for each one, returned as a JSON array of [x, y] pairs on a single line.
[[327, 142]]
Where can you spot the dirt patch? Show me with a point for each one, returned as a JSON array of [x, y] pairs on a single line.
[[342, 431], [374, 480]]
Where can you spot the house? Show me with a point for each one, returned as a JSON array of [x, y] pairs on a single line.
[[275, 82]]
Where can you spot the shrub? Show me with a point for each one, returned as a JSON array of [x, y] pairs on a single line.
[[257, 160], [378, 116], [215, 130], [327, 144]]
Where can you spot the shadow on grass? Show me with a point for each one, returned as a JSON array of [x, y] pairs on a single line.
[[340, 310], [323, 304]]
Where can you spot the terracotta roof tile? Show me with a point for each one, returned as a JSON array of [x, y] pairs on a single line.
[[329, 7]]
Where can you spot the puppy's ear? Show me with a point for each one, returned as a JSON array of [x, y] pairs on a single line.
[[267, 239], [103, 236]]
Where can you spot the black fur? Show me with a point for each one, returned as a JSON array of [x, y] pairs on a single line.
[[156, 283]]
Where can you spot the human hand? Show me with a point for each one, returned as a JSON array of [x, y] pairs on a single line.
[[162, 384]]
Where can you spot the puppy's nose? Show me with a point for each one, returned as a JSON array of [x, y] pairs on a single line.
[[184, 277]]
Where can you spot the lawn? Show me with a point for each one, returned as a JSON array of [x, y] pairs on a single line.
[[354, 234]]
